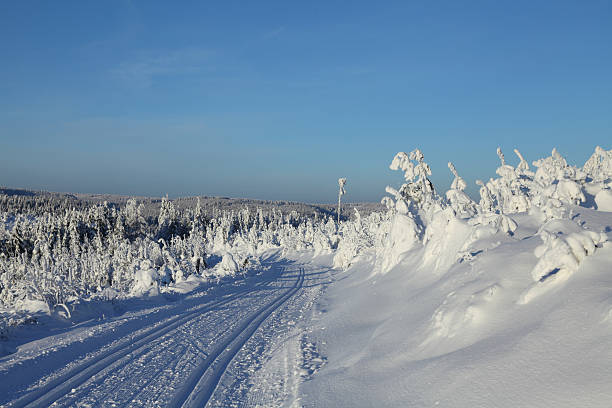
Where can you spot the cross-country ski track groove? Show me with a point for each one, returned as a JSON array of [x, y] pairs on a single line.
[[120, 362], [202, 384]]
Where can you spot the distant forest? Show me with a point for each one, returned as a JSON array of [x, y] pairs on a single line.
[[22, 201]]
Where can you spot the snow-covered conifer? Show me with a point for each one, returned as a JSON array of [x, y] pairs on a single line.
[[341, 192], [461, 203]]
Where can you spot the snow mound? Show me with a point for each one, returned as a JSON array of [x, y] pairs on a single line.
[[562, 255], [228, 265], [146, 280], [603, 199], [32, 306], [479, 329], [503, 303]]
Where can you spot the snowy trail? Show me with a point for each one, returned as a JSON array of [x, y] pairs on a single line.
[[81, 373], [174, 361], [213, 367]]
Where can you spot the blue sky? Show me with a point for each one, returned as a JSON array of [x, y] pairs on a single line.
[[277, 100]]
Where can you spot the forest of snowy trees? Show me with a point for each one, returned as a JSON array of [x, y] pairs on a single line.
[[55, 250], [54, 253]]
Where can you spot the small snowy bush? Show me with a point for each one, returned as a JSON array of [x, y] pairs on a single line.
[[146, 280], [561, 255]]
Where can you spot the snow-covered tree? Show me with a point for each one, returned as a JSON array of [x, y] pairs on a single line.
[[460, 202], [341, 192]]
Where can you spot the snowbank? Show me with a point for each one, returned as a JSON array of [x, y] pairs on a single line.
[[503, 303], [603, 199], [466, 335]]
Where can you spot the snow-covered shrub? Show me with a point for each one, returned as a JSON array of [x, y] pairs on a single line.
[[486, 204], [569, 191], [405, 208], [561, 255], [357, 236], [418, 189], [552, 168], [509, 192], [146, 279], [599, 166], [228, 265], [419, 217], [461, 203], [499, 222]]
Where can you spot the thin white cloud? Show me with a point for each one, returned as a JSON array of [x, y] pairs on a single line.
[[273, 33], [144, 67]]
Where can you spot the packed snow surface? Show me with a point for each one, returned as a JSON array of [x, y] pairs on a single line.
[[204, 348]]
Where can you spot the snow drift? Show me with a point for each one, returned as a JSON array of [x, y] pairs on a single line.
[[503, 302]]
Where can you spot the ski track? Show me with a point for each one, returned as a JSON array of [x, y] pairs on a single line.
[[222, 355], [112, 358], [205, 355], [281, 359]]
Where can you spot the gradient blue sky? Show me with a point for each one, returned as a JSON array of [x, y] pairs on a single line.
[[277, 100]]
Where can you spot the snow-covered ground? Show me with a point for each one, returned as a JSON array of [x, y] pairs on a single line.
[[479, 334], [207, 346]]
